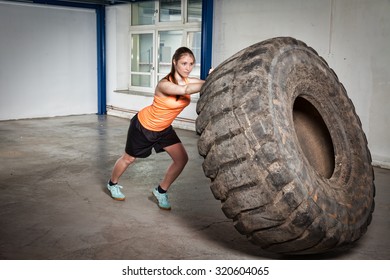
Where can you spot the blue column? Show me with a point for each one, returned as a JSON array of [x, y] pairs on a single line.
[[207, 37], [101, 59]]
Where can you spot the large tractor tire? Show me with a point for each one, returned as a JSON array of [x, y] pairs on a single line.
[[285, 150]]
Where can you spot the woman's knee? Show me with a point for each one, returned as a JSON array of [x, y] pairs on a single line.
[[183, 159], [178, 154], [127, 159]]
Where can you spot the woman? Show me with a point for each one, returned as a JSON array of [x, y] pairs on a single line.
[[151, 127]]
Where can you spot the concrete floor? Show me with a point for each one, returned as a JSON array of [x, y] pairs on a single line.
[[53, 202]]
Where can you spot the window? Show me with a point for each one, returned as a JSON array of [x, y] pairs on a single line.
[[158, 28], [194, 43], [169, 41], [142, 13], [170, 10], [194, 10], [142, 60]]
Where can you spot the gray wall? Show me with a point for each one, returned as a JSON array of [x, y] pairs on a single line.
[[47, 61], [352, 36]]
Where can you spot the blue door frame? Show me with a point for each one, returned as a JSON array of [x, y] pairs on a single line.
[[207, 31]]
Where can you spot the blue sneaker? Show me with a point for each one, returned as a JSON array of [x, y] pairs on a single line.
[[162, 199], [115, 191]]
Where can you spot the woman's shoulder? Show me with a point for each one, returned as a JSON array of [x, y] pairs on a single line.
[[163, 87], [164, 80]]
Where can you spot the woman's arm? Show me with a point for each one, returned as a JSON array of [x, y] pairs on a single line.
[[169, 88]]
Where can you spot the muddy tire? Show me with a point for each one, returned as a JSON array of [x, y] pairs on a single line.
[[285, 150]]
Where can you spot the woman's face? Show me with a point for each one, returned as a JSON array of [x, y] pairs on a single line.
[[184, 65]]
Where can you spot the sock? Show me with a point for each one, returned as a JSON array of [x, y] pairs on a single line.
[[160, 190], [111, 183]]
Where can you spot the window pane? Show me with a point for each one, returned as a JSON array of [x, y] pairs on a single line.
[[194, 10], [194, 43], [170, 41], [138, 80], [141, 59], [142, 13], [170, 10]]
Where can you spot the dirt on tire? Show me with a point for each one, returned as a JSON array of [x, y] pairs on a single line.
[[285, 150]]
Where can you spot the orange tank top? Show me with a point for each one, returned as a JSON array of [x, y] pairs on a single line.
[[163, 111]]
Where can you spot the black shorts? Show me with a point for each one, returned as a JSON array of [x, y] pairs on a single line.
[[140, 140]]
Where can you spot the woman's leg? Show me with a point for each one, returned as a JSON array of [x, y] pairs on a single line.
[[120, 167], [180, 158]]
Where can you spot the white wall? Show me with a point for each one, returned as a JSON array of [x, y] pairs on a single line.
[[48, 61], [352, 36]]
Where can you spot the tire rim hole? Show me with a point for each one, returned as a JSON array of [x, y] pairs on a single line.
[[314, 137]]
